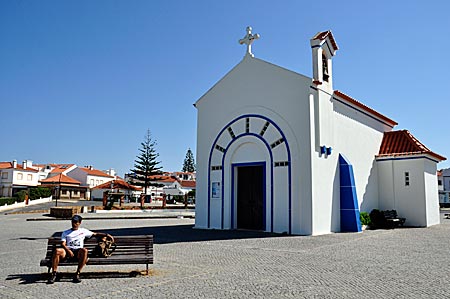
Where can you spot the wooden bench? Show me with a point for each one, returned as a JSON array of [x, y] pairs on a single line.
[[129, 250], [392, 218]]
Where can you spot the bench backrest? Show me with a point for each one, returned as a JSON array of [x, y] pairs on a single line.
[[126, 245]]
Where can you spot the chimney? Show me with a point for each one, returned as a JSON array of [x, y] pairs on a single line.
[[27, 164], [14, 163]]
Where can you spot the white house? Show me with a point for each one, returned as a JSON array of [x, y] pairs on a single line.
[[15, 177], [278, 151], [89, 177]]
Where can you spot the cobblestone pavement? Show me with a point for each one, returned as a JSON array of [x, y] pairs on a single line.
[[190, 263]]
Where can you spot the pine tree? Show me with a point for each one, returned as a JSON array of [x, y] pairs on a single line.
[[146, 164], [189, 162]]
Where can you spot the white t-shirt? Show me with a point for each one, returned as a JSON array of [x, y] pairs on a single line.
[[75, 238]]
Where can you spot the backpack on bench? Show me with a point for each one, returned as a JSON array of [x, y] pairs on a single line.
[[104, 248]]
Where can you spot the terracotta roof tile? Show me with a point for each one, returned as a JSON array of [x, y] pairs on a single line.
[[5, 165], [117, 184], [403, 143], [60, 168], [163, 178], [364, 107], [9, 165], [61, 178], [95, 172], [188, 184]]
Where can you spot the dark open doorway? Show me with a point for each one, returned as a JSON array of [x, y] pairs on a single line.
[[250, 197]]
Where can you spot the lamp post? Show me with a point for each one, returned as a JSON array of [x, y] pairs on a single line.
[[58, 190]]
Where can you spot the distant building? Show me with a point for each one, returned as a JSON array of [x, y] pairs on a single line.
[[64, 187], [66, 180], [16, 177], [90, 177], [444, 187]]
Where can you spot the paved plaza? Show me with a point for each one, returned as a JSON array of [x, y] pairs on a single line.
[[190, 263]]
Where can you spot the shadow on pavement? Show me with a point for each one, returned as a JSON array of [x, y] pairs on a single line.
[[28, 278], [68, 276], [185, 233]]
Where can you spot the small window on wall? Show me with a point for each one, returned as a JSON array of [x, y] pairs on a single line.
[[4, 175], [440, 182], [29, 177], [20, 176], [406, 178]]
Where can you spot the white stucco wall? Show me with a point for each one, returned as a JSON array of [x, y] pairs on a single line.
[[418, 202], [431, 193], [86, 179], [355, 134], [358, 137]]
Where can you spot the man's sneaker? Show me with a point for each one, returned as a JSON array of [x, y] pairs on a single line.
[[52, 278], [76, 278]]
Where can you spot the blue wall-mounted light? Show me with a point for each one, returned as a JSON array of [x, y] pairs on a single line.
[[329, 149], [323, 149]]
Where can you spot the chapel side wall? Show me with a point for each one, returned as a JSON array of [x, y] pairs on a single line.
[[358, 137]]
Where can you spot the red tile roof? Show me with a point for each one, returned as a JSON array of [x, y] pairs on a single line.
[[163, 178], [5, 165], [117, 184], [61, 178], [95, 172], [323, 35], [188, 184], [60, 168], [403, 143], [9, 165], [364, 107]]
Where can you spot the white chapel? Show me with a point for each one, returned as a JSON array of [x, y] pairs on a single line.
[[281, 152]]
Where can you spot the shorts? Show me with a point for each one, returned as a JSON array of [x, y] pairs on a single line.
[[75, 255]]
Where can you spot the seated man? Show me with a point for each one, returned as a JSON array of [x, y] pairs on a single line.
[[73, 247]]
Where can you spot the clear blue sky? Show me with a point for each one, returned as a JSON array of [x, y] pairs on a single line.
[[82, 81]]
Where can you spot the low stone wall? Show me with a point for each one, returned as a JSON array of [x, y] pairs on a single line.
[[22, 204], [64, 212]]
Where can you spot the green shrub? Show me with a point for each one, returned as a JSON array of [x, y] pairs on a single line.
[[40, 192], [7, 200], [365, 218], [178, 198], [20, 196]]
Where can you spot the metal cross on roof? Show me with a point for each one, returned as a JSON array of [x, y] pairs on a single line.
[[248, 40]]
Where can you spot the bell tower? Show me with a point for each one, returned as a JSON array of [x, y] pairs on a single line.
[[323, 48]]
